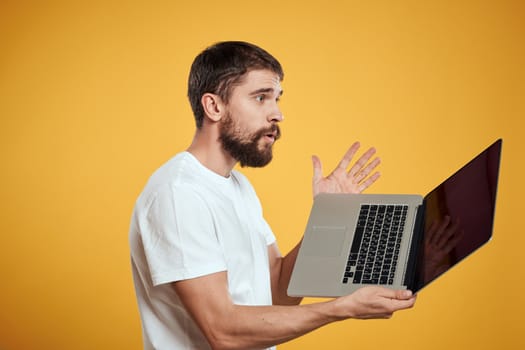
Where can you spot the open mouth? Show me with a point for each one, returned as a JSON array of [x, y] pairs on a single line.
[[271, 136]]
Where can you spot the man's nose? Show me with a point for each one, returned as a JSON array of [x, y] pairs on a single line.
[[276, 115]]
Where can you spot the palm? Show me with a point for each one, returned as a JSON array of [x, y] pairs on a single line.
[[355, 180]]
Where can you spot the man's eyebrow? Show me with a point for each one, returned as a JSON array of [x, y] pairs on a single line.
[[265, 91]]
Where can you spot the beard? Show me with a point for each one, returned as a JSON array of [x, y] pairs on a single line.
[[245, 147]]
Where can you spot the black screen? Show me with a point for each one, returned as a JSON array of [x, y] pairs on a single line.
[[459, 216]]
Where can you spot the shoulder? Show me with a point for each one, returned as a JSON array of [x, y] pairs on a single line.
[[174, 181], [180, 169]]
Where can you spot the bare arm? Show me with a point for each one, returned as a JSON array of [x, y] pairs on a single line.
[[230, 326], [281, 271]]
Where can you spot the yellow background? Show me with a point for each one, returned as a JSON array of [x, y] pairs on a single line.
[[92, 101]]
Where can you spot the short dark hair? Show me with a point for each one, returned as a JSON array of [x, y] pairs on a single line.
[[220, 67]]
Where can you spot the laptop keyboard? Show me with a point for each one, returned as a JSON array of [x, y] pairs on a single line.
[[375, 249]]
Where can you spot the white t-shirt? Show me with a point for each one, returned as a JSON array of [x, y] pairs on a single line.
[[189, 222]]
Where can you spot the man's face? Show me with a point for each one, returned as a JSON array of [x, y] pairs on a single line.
[[249, 129]]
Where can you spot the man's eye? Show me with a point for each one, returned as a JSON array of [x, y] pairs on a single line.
[[260, 98]]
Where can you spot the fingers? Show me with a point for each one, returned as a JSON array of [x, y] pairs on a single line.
[[378, 302], [404, 299], [403, 294], [395, 294], [360, 175], [397, 305], [358, 167], [369, 182], [347, 158], [360, 170]]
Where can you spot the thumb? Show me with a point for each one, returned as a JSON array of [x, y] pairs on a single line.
[[318, 169], [403, 294]]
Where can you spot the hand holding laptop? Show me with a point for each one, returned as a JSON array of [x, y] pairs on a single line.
[[374, 302]]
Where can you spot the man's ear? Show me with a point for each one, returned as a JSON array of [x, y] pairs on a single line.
[[213, 106]]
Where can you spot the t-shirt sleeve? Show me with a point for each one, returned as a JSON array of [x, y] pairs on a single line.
[[267, 232], [179, 237]]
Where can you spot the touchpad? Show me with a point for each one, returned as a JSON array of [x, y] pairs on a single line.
[[324, 241]]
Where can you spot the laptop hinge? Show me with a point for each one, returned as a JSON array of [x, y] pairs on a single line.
[[411, 279]]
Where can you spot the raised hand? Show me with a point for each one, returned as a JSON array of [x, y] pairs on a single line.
[[355, 180]]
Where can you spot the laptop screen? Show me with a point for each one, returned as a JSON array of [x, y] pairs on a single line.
[[459, 216]]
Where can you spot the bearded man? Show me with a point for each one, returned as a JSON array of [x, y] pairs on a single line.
[[206, 267]]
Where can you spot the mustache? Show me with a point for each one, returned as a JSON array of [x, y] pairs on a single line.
[[274, 130]]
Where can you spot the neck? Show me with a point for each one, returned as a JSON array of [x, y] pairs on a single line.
[[208, 150]]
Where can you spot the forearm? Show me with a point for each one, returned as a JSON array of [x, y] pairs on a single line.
[[284, 270], [227, 325], [258, 327]]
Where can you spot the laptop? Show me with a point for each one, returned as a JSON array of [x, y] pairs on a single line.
[[396, 241]]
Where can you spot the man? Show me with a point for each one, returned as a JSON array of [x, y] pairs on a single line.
[[207, 270]]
